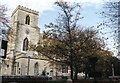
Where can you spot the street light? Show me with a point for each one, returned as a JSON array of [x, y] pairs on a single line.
[[113, 70], [29, 54]]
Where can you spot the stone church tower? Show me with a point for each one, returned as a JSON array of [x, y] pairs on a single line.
[[20, 60], [24, 32]]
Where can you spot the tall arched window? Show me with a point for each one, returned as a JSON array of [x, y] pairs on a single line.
[[36, 69], [25, 44], [64, 68], [27, 21]]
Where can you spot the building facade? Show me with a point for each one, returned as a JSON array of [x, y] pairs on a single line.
[[20, 59]]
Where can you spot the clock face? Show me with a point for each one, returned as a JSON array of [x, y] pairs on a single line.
[[27, 31]]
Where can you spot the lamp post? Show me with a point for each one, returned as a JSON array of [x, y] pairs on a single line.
[[113, 70], [29, 54]]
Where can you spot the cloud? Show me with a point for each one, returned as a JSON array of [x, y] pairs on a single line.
[[114, 0], [41, 5], [88, 1]]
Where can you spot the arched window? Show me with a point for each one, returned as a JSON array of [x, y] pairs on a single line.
[[25, 44], [64, 68], [27, 21], [51, 73], [36, 69]]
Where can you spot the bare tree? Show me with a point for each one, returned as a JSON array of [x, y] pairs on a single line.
[[110, 25], [3, 16], [65, 41]]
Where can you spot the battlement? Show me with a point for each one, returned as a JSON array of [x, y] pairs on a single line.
[[25, 9]]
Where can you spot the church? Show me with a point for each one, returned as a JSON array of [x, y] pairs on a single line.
[[20, 60]]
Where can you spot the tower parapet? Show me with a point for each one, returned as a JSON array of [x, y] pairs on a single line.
[[25, 9]]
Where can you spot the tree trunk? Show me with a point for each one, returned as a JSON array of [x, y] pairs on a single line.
[[71, 67], [76, 72], [86, 75]]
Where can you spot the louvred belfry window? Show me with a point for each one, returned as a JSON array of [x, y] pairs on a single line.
[[27, 21]]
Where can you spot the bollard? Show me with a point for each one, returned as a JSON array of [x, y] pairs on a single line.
[[69, 80]]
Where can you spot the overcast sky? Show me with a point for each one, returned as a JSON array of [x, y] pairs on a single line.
[[47, 12], [42, 5]]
